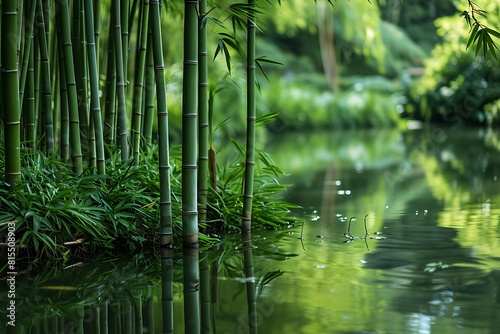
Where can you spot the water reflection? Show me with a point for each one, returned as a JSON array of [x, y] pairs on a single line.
[[432, 194]]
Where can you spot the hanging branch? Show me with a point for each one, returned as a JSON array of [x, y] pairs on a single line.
[[480, 33]]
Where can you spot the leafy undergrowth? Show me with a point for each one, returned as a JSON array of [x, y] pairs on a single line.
[[58, 214]]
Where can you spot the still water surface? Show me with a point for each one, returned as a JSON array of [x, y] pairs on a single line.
[[432, 267]]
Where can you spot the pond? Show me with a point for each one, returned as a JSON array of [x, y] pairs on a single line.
[[399, 233]]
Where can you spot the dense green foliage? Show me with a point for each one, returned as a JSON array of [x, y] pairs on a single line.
[[459, 85], [58, 213]]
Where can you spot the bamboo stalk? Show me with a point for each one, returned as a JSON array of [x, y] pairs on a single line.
[[137, 103], [45, 80], [166, 238], [29, 107], [149, 107], [76, 150], [10, 96], [189, 169], [124, 24], [28, 42], [79, 58], [250, 135], [203, 138], [189, 126], [97, 28], [94, 86], [110, 101], [63, 100], [120, 81]]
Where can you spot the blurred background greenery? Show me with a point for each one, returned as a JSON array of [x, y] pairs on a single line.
[[355, 64]]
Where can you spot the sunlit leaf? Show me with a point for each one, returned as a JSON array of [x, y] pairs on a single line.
[[266, 118], [473, 35], [479, 44]]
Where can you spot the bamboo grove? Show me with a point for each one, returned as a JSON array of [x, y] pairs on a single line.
[[82, 86]]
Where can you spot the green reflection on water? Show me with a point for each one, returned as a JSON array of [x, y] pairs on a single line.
[[432, 193]]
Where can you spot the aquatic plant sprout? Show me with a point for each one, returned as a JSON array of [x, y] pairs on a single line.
[[349, 237]]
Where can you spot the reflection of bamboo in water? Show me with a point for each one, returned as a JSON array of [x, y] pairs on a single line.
[[103, 319], [329, 192], [250, 283], [149, 317], [123, 315], [114, 321], [205, 294], [191, 283], [167, 291], [214, 270], [126, 317], [137, 308], [91, 317]]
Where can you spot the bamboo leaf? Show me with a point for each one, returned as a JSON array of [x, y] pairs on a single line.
[[239, 147], [206, 19], [222, 123], [473, 35], [264, 59], [493, 48], [266, 118], [219, 48], [479, 42], [227, 56], [492, 32]]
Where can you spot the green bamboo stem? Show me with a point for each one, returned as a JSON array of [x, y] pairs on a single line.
[[20, 22], [149, 107], [45, 80], [189, 169], [166, 238], [28, 42], [78, 41], [46, 18], [110, 101], [94, 86], [10, 96], [83, 88], [203, 137], [76, 150], [39, 111], [250, 136], [29, 107], [97, 28], [137, 103], [189, 126], [120, 81], [124, 17], [63, 101]]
